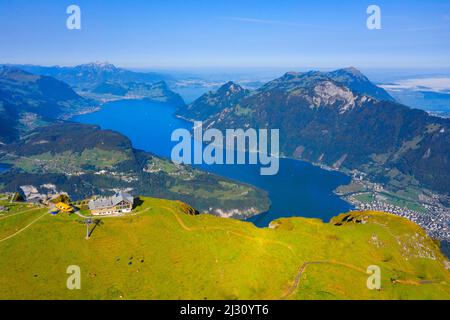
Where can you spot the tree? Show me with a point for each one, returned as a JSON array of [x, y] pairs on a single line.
[[64, 198]]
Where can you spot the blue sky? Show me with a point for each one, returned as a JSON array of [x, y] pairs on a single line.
[[227, 33]]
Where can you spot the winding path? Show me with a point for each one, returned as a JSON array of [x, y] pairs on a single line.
[[303, 267], [24, 228], [239, 234], [291, 290], [18, 213]]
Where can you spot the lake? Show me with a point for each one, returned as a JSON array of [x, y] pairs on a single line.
[[4, 167], [299, 189]]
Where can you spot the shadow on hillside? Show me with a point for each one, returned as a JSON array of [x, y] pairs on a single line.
[[96, 223], [137, 203]]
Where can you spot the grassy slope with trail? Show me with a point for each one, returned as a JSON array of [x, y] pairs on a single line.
[[161, 252]]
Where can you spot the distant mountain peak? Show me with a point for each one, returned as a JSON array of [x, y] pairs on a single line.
[[296, 80], [230, 87], [105, 66], [6, 69], [317, 88], [352, 70], [357, 81], [16, 74], [348, 74], [292, 74], [161, 84]]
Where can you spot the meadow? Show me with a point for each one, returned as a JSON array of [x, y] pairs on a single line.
[[163, 251]]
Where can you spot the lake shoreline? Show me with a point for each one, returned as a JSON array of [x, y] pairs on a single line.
[[301, 189]]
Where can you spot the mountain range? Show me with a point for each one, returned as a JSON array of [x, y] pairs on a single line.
[[43, 148], [339, 119], [90, 75], [28, 101], [105, 82]]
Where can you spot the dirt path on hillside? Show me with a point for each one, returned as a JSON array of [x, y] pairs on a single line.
[[24, 228], [18, 213], [236, 233], [305, 265]]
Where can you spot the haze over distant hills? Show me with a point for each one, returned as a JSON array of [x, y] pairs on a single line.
[[29, 100], [100, 81], [87, 76]]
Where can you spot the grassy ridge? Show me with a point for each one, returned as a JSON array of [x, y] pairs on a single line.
[[162, 252]]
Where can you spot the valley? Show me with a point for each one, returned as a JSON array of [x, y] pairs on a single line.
[[47, 155], [224, 159], [392, 167], [83, 160], [299, 188]]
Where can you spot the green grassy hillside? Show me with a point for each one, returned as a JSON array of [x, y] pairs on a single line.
[[164, 252]]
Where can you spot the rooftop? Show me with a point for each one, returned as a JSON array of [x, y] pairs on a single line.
[[106, 202]]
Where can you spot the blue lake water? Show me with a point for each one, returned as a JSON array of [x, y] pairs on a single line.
[[299, 188], [4, 167]]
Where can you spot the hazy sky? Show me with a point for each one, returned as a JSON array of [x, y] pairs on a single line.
[[227, 33]]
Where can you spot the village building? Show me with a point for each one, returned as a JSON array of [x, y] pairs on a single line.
[[121, 202], [63, 207]]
